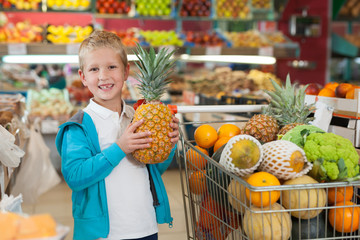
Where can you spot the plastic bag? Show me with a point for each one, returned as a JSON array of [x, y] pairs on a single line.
[[10, 153], [11, 204], [37, 174]]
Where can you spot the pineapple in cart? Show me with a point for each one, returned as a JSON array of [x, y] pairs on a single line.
[[286, 110], [153, 81]]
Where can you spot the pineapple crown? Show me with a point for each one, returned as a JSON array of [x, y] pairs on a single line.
[[287, 104], [154, 69]]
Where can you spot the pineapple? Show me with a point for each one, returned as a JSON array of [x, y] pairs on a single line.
[[262, 127], [288, 107], [153, 77]]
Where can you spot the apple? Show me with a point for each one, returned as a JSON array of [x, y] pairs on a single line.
[[342, 89], [312, 89]]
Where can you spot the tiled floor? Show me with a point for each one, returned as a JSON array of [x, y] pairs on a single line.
[[57, 202]]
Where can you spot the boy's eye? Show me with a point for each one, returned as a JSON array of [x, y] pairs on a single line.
[[112, 67], [92, 69]]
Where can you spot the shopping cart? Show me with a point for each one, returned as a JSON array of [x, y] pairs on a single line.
[[216, 206]]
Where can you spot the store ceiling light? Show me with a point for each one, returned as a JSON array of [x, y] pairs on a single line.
[[40, 59], [248, 59], [52, 59]]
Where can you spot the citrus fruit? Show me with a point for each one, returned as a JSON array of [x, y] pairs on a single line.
[[331, 85], [262, 179], [228, 130], [205, 136], [339, 194], [350, 94], [327, 92], [197, 182], [221, 141], [196, 161], [344, 219]]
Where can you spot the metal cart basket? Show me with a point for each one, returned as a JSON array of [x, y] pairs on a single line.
[[216, 206]]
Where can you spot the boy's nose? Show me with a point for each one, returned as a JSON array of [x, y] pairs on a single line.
[[103, 74]]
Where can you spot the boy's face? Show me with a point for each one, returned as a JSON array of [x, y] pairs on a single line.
[[104, 74]]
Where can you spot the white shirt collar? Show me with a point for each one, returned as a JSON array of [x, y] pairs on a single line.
[[104, 112]]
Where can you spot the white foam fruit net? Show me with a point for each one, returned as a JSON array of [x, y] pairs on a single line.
[[226, 160], [276, 156]]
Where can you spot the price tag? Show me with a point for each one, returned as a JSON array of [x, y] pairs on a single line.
[[17, 49], [266, 51], [323, 115], [49, 126], [72, 49], [213, 50]]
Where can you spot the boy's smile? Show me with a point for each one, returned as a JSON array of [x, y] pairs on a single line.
[[104, 74]]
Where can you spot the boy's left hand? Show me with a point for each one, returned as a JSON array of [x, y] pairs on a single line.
[[174, 135]]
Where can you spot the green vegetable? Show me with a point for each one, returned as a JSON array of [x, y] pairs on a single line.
[[333, 157], [299, 133]]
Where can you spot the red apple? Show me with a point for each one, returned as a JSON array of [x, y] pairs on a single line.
[[312, 89]]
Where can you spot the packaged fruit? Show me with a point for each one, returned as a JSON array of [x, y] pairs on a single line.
[[242, 155], [284, 159]]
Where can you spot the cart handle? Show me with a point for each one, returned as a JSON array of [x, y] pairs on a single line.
[[216, 108]]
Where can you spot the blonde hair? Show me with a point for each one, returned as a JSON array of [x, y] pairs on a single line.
[[102, 39]]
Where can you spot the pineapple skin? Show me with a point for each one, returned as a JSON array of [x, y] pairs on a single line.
[[262, 127], [157, 118]]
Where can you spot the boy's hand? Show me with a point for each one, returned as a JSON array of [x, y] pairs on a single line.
[[174, 135], [131, 141]]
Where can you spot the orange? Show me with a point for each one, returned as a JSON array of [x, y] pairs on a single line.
[[205, 136], [197, 182], [344, 219], [262, 179], [327, 92], [210, 213], [228, 130], [331, 85], [350, 94], [221, 141], [340, 193], [196, 161]]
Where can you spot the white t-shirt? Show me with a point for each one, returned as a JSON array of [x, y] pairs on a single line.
[[129, 199]]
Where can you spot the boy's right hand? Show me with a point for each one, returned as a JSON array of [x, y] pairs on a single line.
[[131, 141]]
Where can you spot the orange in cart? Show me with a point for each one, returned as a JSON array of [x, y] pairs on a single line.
[[197, 182], [221, 141], [339, 194], [205, 136], [262, 179], [210, 214], [344, 219], [228, 130], [196, 161]]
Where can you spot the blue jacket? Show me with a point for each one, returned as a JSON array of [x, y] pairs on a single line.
[[84, 167]]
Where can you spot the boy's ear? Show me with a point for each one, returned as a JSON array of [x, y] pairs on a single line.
[[82, 77]]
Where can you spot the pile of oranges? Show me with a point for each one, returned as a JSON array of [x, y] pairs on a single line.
[[206, 138], [333, 89]]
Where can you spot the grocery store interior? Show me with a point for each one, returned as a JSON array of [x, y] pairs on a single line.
[[227, 53]]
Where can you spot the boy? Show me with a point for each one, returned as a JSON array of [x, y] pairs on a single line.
[[113, 194]]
